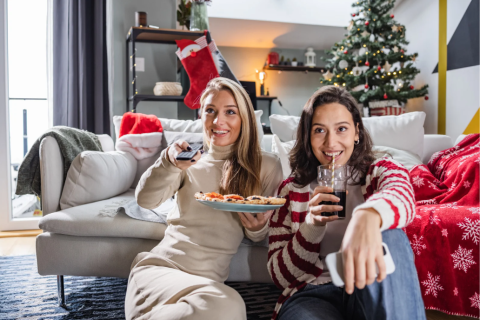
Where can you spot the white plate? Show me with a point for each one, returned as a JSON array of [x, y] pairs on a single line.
[[239, 207]]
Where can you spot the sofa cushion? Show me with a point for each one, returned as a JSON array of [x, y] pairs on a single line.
[[404, 132], [89, 220], [95, 176]]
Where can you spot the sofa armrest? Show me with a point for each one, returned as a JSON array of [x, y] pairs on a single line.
[[433, 143], [107, 142], [51, 173]]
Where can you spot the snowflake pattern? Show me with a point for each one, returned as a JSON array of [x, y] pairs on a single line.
[[475, 300], [450, 206], [452, 186], [418, 181], [445, 232], [434, 219], [466, 184], [455, 292], [430, 201], [448, 172], [417, 244], [432, 285], [471, 230], [474, 210], [462, 259]]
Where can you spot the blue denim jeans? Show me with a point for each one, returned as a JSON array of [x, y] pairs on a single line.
[[396, 297]]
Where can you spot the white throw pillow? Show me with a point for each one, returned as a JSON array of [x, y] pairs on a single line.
[[188, 125], [285, 127], [404, 132], [407, 158], [282, 149], [95, 176]]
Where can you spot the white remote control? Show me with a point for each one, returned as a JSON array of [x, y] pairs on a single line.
[[335, 265]]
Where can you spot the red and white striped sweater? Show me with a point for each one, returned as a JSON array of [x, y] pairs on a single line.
[[294, 242]]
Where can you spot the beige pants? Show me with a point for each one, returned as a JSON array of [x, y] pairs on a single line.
[[163, 293]]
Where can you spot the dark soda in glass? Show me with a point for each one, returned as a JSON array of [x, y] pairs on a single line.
[[342, 195]]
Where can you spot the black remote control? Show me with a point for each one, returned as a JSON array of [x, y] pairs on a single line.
[[188, 155]]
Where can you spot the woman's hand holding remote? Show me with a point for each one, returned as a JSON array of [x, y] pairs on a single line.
[[178, 147]]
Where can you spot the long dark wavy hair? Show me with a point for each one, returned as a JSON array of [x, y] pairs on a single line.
[[302, 159]]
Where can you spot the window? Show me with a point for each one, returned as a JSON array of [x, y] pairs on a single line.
[[28, 105]]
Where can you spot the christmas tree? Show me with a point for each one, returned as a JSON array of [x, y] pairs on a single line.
[[372, 61]]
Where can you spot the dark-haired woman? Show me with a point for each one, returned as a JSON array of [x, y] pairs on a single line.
[[380, 201]]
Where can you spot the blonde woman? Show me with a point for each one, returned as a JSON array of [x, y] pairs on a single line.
[[182, 277]]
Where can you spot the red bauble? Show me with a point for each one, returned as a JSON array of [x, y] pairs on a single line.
[[367, 63], [411, 87], [345, 52], [353, 14], [366, 86], [426, 97], [385, 96], [367, 23], [379, 68], [392, 16], [402, 51]]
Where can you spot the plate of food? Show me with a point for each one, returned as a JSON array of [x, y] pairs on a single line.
[[236, 203]]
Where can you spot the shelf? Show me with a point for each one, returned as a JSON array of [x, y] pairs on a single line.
[[151, 97], [266, 98], [144, 34], [291, 68]]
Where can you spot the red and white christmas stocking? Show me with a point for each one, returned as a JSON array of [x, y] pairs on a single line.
[[197, 59]]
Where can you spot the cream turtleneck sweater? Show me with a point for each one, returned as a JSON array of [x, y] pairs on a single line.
[[199, 240]]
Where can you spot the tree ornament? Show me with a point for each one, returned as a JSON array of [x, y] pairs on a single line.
[[350, 26], [328, 75], [365, 33], [387, 66], [414, 58], [345, 52], [343, 64], [402, 51], [379, 68], [395, 49], [366, 86], [367, 63], [411, 87], [392, 16], [353, 14], [426, 97], [367, 23], [362, 51], [394, 28], [372, 38], [357, 71], [385, 96]]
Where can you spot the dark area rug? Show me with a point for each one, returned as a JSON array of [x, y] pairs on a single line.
[[24, 294]]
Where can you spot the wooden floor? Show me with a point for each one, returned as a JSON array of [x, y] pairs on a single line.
[[17, 246]]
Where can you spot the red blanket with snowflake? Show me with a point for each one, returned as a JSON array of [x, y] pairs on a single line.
[[445, 233]]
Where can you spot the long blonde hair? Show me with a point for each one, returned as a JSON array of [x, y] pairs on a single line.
[[241, 170]]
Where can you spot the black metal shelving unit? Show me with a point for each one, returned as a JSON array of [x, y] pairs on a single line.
[[150, 35]]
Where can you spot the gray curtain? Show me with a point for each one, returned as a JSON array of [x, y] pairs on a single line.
[[80, 74]]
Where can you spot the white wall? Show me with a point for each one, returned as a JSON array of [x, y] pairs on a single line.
[[317, 12], [421, 20], [160, 59], [292, 88]]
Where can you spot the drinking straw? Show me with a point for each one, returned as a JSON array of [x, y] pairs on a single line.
[[333, 171]]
